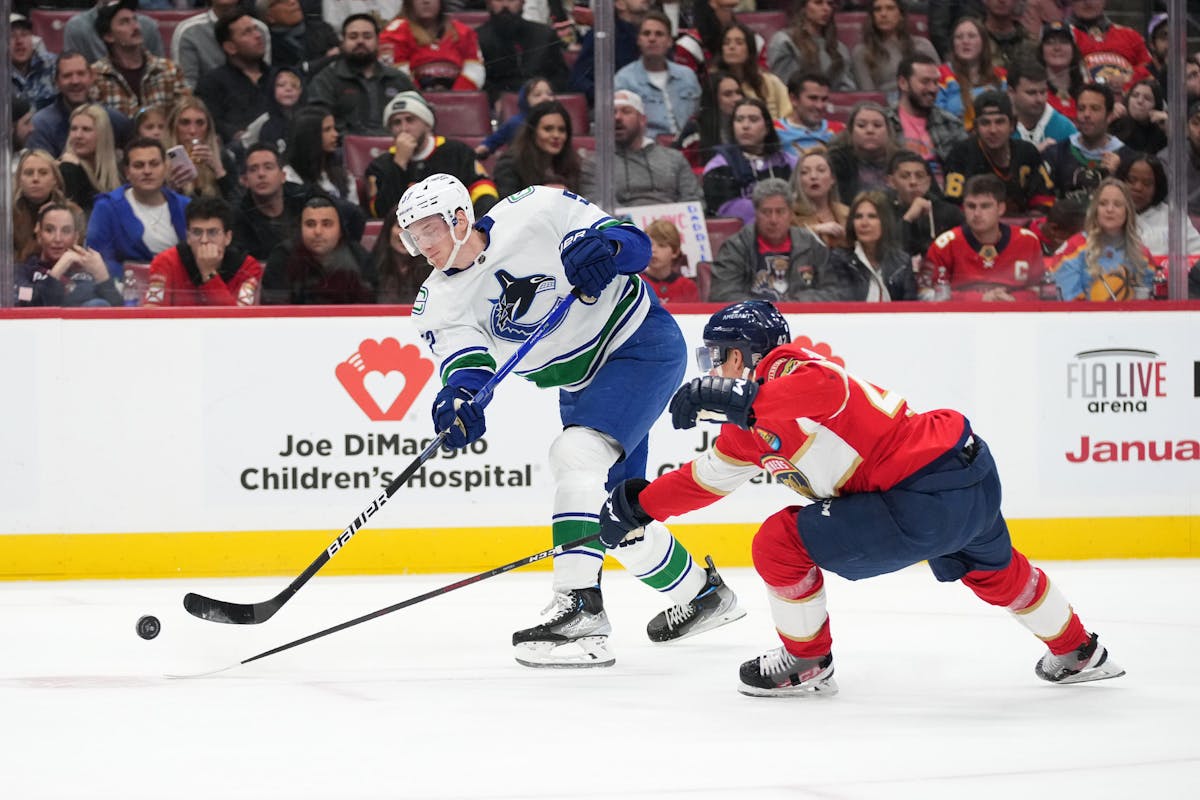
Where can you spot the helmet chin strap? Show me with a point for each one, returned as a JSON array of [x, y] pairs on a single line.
[[458, 243]]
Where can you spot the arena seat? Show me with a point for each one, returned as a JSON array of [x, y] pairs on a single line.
[[461, 113], [720, 229], [472, 19], [371, 232], [50, 23], [358, 152], [168, 20], [765, 23], [842, 103], [850, 26], [575, 103]]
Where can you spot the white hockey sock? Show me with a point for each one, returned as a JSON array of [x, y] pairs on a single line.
[[579, 460], [662, 563], [799, 612]]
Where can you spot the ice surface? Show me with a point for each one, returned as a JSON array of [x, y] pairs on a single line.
[[938, 696]]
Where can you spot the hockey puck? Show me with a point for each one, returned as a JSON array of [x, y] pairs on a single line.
[[148, 627]]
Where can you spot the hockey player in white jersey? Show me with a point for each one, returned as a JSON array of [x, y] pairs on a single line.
[[616, 359]]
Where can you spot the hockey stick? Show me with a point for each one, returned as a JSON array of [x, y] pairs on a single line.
[[232, 613], [412, 601]]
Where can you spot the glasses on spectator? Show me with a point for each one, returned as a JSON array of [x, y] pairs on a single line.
[[201, 234]]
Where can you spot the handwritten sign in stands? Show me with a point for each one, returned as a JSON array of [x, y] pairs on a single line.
[[688, 218]]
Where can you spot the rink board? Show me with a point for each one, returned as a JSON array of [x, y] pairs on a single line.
[[177, 443]]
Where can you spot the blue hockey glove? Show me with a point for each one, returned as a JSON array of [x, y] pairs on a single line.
[[588, 258], [622, 513], [455, 411], [714, 400]]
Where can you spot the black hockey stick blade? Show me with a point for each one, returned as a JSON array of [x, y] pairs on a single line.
[[412, 601]]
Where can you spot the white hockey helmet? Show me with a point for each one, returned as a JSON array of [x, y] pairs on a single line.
[[442, 195]]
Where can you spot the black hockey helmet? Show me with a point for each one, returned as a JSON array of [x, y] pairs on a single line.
[[754, 328]]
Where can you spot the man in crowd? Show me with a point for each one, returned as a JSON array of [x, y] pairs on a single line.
[[773, 259], [418, 152], [644, 172], [991, 150], [670, 93], [194, 45], [919, 124], [236, 91], [74, 80], [270, 209], [80, 34], [807, 126], [1038, 122], [357, 87], [922, 212], [625, 50], [32, 72], [516, 49], [298, 41], [206, 269], [1010, 41], [137, 221], [1087, 157], [985, 259], [130, 76]]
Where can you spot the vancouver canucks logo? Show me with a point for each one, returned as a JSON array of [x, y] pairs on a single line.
[[788, 474], [522, 305]]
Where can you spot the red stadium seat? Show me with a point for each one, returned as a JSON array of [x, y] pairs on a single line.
[[472, 19], [371, 232], [766, 23], [575, 103], [704, 279], [48, 24], [167, 21], [358, 152], [720, 229], [461, 113], [850, 26], [489, 163], [587, 143], [842, 103]]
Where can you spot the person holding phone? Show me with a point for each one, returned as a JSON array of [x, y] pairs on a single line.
[[197, 164]]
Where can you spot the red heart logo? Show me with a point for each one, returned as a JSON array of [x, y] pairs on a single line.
[[385, 378]]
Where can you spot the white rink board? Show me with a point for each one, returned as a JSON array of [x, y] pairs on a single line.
[[151, 425]]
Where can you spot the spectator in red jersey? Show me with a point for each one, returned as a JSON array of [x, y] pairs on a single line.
[[440, 53], [1112, 54], [884, 487], [205, 270], [984, 259], [666, 260]]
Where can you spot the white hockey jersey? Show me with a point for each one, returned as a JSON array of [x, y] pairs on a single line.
[[476, 317]]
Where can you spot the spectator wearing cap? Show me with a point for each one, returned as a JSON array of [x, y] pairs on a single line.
[[356, 88], [194, 45], [644, 172], [670, 93], [990, 149], [32, 71], [1112, 54], [130, 76], [236, 91], [516, 49], [73, 80], [80, 33], [1059, 54], [418, 152]]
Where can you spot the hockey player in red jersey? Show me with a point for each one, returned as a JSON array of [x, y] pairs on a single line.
[[885, 487]]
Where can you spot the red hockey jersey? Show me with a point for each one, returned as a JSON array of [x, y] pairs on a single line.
[[452, 63], [1014, 262], [819, 430]]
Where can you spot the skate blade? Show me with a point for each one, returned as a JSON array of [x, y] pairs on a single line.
[[822, 687], [732, 615], [1103, 672], [584, 653]]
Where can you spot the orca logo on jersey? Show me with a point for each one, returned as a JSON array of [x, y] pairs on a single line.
[[384, 378], [522, 305]]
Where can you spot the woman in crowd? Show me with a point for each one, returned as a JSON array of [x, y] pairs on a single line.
[[1147, 180], [534, 92], [150, 122], [719, 93], [543, 153], [312, 156], [440, 53], [400, 275], [286, 98], [874, 262], [322, 267], [754, 153], [61, 272], [38, 182], [1107, 261], [1143, 127], [861, 153], [89, 159], [817, 205], [663, 273], [811, 44], [739, 58], [971, 69], [885, 43], [1063, 61], [191, 125]]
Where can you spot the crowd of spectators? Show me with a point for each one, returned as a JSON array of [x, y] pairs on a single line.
[[989, 150]]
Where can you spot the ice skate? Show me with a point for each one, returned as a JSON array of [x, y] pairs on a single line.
[[778, 673], [575, 636], [714, 606], [1088, 662]]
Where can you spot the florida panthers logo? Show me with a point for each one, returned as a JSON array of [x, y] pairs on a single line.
[[522, 305], [788, 474]]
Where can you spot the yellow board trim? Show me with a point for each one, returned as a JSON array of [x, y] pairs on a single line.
[[389, 552]]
